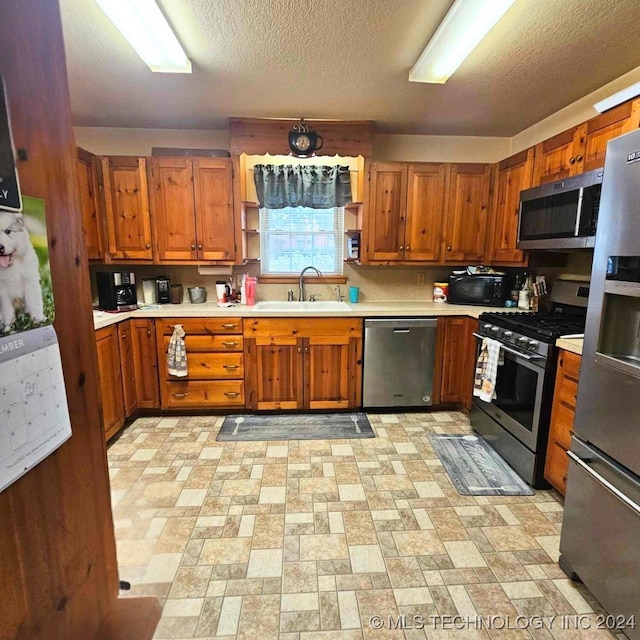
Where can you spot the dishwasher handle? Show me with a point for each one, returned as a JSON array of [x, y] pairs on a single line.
[[403, 324]]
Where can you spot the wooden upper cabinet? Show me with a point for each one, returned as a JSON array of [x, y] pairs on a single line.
[[214, 209], [173, 208], [387, 207], [466, 219], [512, 176], [193, 209], [425, 204], [556, 157], [605, 127], [90, 203], [127, 208]]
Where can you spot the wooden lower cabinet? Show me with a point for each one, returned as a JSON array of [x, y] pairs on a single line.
[[215, 361], [304, 363], [145, 363], [562, 416], [456, 359], [110, 384], [127, 371]]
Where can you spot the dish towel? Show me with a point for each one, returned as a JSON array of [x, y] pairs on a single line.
[[177, 354], [484, 386]]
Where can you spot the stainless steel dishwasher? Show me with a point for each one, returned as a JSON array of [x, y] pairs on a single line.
[[399, 362]]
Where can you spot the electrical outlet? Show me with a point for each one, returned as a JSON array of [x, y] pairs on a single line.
[[420, 279]]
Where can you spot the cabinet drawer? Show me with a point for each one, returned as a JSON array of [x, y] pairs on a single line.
[[197, 393], [567, 391], [562, 426], [209, 343], [204, 326], [214, 366], [571, 365], [556, 467]]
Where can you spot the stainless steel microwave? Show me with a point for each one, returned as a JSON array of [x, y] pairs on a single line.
[[561, 215], [488, 290]]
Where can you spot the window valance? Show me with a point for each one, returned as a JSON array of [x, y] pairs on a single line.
[[317, 187]]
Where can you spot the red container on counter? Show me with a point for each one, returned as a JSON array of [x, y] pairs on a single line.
[[440, 291]]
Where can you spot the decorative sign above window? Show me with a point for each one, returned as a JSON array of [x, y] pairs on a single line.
[[303, 141], [10, 198]]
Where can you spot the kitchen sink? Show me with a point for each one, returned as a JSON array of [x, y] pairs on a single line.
[[326, 305]]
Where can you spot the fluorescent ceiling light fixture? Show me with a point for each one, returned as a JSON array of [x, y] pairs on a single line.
[[618, 98], [141, 22], [464, 26]]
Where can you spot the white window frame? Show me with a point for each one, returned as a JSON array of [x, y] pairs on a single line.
[[337, 232]]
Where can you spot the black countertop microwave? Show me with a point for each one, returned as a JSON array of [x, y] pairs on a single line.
[[488, 290], [561, 215]]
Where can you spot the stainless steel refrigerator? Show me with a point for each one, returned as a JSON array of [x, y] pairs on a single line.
[[600, 542]]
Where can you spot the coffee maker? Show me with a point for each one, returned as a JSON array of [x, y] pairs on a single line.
[[117, 291]]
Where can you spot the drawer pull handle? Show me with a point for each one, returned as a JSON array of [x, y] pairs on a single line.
[[229, 325], [231, 394], [230, 367], [229, 344], [180, 395]]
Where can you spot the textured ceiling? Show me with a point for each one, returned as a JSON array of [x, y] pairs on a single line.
[[348, 59]]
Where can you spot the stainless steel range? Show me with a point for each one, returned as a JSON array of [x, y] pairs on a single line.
[[516, 422]]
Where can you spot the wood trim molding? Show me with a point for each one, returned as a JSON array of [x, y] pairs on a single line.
[[295, 280], [263, 135]]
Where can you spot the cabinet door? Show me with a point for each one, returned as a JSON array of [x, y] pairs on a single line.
[[110, 385], [173, 209], [605, 127], [458, 362], [90, 203], [425, 208], [465, 222], [330, 372], [556, 158], [514, 174], [278, 373], [127, 372], [388, 203], [145, 364], [214, 209], [127, 208]]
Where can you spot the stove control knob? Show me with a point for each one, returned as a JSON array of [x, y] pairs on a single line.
[[486, 327], [522, 342], [507, 335], [533, 345]]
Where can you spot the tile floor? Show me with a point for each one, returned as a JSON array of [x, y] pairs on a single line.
[[310, 539]]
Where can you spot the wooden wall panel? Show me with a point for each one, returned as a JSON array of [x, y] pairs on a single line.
[[57, 548], [261, 135]]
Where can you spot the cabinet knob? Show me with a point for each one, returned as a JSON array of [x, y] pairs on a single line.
[[199, 247], [572, 160], [149, 332], [579, 158], [147, 246], [231, 394], [449, 248], [408, 247], [229, 344], [124, 335], [180, 395], [299, 350], [229, 325], [193, 247], [230, 367], [306, 349], [401, 247]]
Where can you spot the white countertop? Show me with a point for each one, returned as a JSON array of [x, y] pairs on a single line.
[[571, 344], [362, 309]]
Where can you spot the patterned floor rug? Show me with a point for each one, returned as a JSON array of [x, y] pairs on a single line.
[[296, 427], [475, 467]]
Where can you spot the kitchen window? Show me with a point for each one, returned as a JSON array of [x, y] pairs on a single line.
[[292, 238]]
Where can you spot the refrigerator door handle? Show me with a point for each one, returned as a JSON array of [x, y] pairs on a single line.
[[605, 483]]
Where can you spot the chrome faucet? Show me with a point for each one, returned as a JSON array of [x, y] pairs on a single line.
[[339, 296], [301, 281]]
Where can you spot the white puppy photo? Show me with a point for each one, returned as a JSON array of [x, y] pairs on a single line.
[[20, 289]]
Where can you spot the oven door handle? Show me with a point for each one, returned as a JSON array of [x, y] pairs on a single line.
[[513, 351]]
